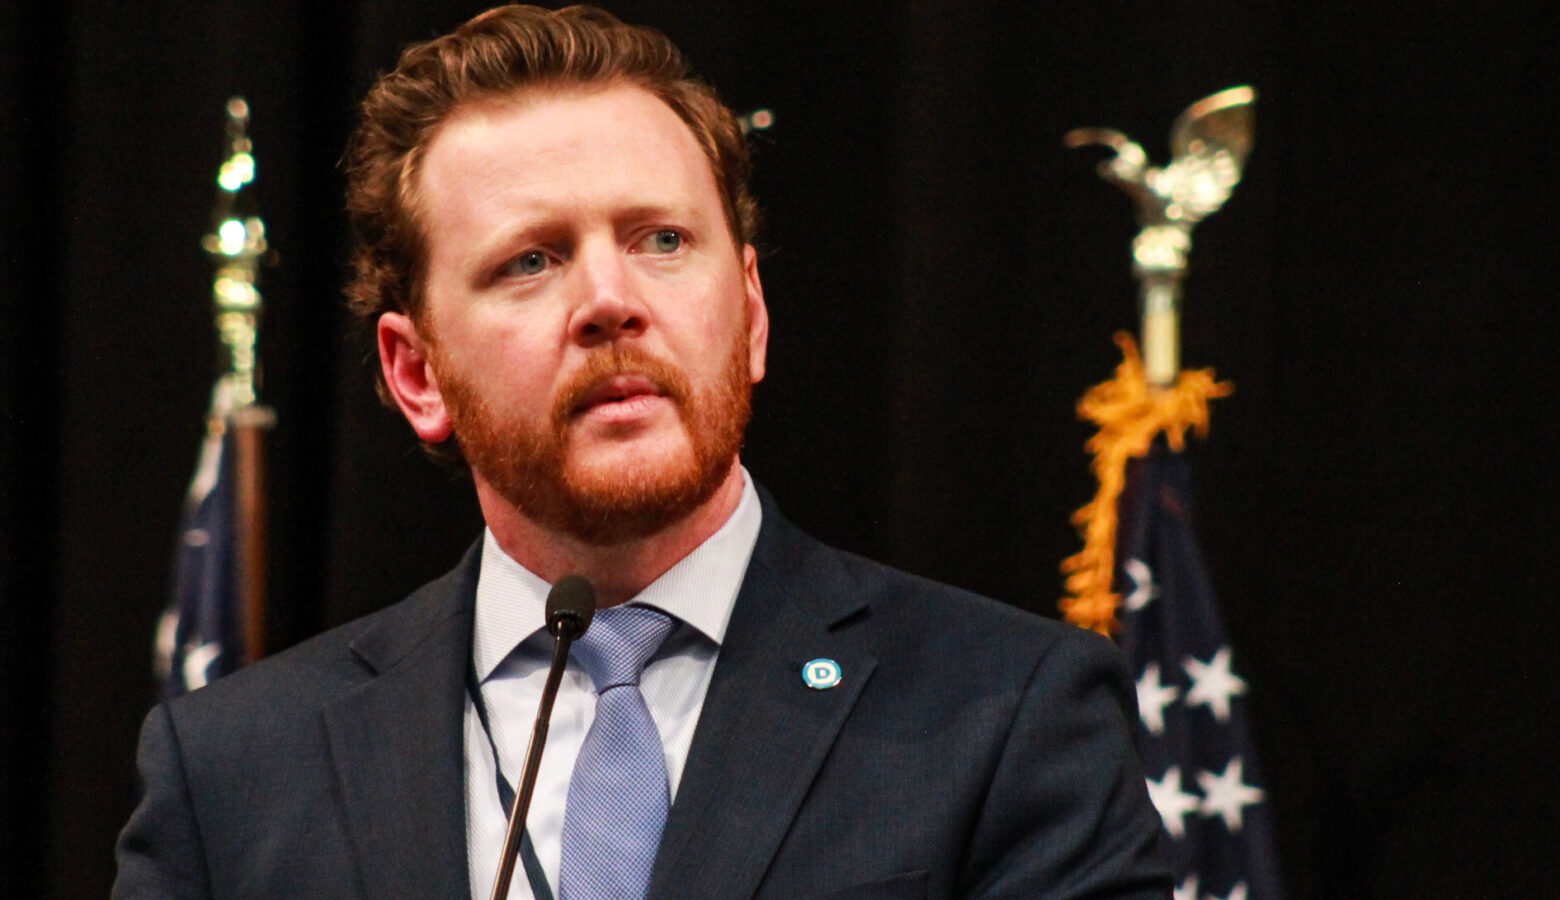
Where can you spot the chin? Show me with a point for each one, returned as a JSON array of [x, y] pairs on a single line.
[[646, 459], [613, 500]]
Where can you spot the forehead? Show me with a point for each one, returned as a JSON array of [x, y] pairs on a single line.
[[556, 144]]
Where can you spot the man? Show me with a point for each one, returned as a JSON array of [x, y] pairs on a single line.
[[556, 256]]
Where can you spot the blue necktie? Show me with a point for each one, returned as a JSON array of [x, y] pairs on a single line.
[[618, 795]]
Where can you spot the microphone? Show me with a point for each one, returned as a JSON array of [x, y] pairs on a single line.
[[570, 606]]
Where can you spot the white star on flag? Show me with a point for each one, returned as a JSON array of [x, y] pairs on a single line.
[[1225, 796], [197, 660], [1173, 803], [1143, 587], [1213, 683], [1153, 696], [1187, 890]]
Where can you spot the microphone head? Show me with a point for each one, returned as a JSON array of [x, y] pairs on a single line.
[[570, 605]]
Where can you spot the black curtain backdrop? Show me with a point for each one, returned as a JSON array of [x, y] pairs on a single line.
[[1377, 501]]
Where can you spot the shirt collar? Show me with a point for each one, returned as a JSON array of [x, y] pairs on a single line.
[[700, 589]]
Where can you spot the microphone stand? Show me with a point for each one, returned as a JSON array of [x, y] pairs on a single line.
[[565, 621]]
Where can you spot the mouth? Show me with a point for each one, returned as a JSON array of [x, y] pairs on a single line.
[[616, 392]]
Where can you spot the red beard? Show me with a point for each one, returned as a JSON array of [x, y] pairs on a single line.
[[529, 463]]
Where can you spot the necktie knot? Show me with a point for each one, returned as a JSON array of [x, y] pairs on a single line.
[[621, 639]]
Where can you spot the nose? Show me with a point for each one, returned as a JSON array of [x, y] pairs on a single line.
[[609, 307]]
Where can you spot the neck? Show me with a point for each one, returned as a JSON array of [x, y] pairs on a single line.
[[618, 571]]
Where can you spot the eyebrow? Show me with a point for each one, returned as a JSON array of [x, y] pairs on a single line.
[[488, 254]]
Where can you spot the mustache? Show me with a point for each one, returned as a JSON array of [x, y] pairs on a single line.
[[610, 362]]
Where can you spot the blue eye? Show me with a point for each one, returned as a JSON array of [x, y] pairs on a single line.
[[666, 241], [531, 263]]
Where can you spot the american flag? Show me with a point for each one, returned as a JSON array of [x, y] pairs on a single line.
[[1197, 753], [200, 635]]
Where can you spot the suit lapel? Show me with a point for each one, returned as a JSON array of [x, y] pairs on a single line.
[[397, 745], [763, 734]]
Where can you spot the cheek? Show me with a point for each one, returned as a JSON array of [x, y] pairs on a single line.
[[507, 339], [724, 314], [514, 376], [521, 380], [720, 337]]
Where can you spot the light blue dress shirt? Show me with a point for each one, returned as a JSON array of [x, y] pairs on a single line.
[[511, 651]]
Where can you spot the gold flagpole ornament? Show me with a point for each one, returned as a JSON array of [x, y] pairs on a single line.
[[1150, 395], [237, 246], [1209, 143]]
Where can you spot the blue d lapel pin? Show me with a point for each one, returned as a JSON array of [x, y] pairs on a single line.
[[821, 674]]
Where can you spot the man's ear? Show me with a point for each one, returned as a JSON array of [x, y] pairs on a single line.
[[758, 315], [404, 358]]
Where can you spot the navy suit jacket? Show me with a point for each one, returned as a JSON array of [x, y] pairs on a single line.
[[970, 750]]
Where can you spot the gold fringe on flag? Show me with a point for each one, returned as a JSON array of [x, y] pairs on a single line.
[[1130, 413]]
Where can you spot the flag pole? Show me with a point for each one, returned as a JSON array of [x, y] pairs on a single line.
[[1140, 576], [237, 246], [1150, 394]]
